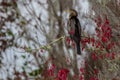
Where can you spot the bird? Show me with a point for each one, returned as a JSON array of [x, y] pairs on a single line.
[[74, 29]]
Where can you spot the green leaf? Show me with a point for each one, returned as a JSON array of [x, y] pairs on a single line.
[[36, 72], [23, 22], [9, 33], [25, 63], [23, 56], [23, 68]]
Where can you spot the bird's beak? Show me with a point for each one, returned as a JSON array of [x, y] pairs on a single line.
[[67, 10]]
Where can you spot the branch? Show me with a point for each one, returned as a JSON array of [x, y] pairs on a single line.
[[46, 47]]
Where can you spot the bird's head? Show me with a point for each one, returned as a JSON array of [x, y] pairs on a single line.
[[72, 13]]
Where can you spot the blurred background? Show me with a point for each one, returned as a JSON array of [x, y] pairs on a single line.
[[33, 39]]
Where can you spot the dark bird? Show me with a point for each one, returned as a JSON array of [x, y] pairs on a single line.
[[74, 29]]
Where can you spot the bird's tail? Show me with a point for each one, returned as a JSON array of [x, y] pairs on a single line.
[[78, 48]]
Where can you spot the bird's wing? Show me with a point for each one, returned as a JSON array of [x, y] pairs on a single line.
[[79, 26]]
